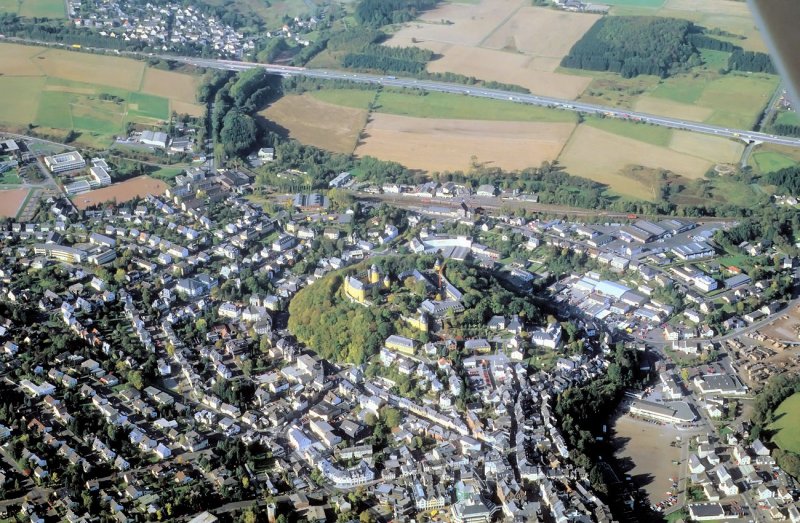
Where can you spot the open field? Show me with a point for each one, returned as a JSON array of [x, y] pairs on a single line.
[[11, 201], [355, 98], [503, 40], [645, 448], [654, 105], [51, 88], [768, 161], [638, 131], [712, 148], [441, 144], [34, 8], [121, 192], [602, 156], [313, 122], [788, 414]]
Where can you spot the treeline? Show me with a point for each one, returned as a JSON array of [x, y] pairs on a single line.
[[771, 225], [702, 41], [775, 392], [785, 129], [632, 46], [377, 13], [750, 61], [787, 179]]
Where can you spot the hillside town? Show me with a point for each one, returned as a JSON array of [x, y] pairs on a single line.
[[147, 361]]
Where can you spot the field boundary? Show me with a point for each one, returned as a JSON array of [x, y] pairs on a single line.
[[503, 22]]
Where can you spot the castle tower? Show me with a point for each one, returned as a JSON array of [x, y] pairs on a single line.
[[387, 283], [374, 275]]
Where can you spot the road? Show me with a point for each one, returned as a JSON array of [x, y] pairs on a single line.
[[495, 94], [445, 87]]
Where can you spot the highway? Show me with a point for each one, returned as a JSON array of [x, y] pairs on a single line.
[[495, 94]]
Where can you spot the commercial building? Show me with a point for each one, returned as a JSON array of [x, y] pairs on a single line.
[[60, 252], [693, 251], [59, 163], [673, 412], [156, 139]]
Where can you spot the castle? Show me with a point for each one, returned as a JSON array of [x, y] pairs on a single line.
[[356, 287]]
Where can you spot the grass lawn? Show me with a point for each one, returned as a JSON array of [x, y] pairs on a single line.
[[442, 105], [681, 88], [767, 162], [714, 60], [653, 134], [737, 260], [10, 178], [788, 414], [787, 118], [167, 173], [54, 110], [19, 106], [356, 98]]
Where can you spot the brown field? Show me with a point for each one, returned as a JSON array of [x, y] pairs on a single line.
[[16, 60], [121, 192], [468, 24], [501, 40], [88, 68], [711, 148], [11, 201], [180, 89], [449, 145], [646, 446], [541, 32], [300, 115], [512, 68], [653, 105], [603, 157]]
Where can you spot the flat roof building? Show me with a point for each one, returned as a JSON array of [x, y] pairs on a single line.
[[59, 163], [693, 251]]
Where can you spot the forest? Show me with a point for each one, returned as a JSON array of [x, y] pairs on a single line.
[[777, 389], [751, 62], [787, 179], [632, 46], [377, 13]]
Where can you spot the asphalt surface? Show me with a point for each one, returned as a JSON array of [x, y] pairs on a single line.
[[496, 94]]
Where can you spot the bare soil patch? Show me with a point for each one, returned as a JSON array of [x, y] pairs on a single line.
[[121, 192], [11, 201], [541, 32], [646, 446], [311, 121], [449, 145]]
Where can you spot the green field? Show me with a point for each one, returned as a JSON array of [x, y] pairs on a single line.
[[787, 118], [19, 107], [653, 134], [681, 89], [787, 436], [148, 106], [714, 60], [767, 162], [737, 100], [167, 173], [355, 98], [10, 178], [34, 8], [442, 105]]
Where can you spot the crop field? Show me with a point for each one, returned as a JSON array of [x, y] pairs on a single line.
[[788, 414], [606, 157], [140, 186], [503, 40], [313, 122], [11, 201], [355, 98], [59, 89], [34, 8], [441, 144], [653, 134]]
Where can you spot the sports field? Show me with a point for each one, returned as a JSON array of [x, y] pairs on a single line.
[[436, 144], [787, 436], [96, 95], [11, 201], [140, 187], [503, 40]]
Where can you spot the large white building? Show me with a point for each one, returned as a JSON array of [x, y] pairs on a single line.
[[59, 163], [156, 139]]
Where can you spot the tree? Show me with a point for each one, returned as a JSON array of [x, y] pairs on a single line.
[[135, 379], [238, 133], [366, 517], [391, 417], [119, 275]]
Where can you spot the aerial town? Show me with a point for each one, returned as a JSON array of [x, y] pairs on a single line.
[[172, 370]]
